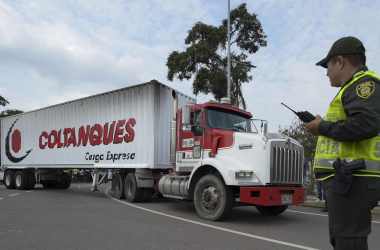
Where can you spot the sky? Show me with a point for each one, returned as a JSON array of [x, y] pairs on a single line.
[[53, 51]]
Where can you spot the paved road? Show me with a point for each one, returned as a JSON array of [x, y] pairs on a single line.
[[79, 219]]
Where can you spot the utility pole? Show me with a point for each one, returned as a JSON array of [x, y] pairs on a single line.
[[228, 55]]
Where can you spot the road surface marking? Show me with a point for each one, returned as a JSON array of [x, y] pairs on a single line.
[[253, 236], [29, 191], [308, 213], [317, 214], [13, 195]]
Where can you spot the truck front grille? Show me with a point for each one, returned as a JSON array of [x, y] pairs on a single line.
[[286, 161]]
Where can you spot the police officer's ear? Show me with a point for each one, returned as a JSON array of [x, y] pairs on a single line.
[[340, 61]]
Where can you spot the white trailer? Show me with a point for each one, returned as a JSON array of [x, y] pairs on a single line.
[[155, 140], [127, 128]]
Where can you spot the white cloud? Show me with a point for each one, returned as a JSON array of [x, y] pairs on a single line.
[[300, 34], [58, 51], [53, 51]]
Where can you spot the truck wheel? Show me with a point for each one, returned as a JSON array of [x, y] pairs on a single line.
[[65, 181], [213, 200], [148, 194], [117, 186], [132, 192], [9, 179], [31, 180], [271, 210], [21, 180]]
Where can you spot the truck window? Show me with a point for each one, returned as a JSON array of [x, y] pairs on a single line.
[[196, 118], [229, 121]]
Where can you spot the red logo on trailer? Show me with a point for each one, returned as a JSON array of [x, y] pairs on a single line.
[[13, 140], [16, 141]]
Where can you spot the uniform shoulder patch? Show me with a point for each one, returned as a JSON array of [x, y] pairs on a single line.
[[365, 89]]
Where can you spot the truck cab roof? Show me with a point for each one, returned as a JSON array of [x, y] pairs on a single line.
[[224, 107]]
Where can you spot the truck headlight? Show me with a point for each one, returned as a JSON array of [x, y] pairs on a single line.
[[243, 174]]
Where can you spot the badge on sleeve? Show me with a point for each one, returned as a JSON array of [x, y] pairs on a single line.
[[365, 89]]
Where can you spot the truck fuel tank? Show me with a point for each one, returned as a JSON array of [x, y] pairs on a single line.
[[174, 186]]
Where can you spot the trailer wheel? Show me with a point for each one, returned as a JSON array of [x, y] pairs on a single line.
[[9, 179], [21, 180], [271, 210], [31, 180], [132, 192], [213, 200], [148, 194], [65, 181], [117, 186]]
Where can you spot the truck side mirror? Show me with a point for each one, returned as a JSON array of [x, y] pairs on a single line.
[[197, 130], [264, 128]]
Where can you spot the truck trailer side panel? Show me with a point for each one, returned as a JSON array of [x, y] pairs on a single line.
[[126, 128]]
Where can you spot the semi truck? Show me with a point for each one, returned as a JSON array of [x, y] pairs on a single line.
[[155, 141]]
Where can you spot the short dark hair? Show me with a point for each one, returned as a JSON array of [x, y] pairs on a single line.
[[356, 60]]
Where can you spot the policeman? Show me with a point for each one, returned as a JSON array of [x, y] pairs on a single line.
[[347, 158]]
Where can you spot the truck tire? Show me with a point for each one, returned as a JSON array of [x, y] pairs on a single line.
[[213, 200], [132, 192], [21, 180], [31, 180], [117, 186], [65, 181], [9, 179], [49, 184], [148, 194], [271, 210]]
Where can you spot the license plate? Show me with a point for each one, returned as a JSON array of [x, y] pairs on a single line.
[[286, 199]]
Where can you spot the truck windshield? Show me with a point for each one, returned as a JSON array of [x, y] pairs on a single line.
[[230, 121]]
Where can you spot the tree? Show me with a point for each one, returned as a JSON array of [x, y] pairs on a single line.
[[205, 58], [3, 101], [297, 131], [9, 112]]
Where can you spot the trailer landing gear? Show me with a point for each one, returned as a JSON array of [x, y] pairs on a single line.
[[98, 178]]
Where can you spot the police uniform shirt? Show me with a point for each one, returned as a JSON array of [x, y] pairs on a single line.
[[361, 102]]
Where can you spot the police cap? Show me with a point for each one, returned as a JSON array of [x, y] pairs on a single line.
[[344, 46]]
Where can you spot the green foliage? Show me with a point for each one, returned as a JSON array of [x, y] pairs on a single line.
[[205, 58], [9, 112], [3, 101], [297, 131]]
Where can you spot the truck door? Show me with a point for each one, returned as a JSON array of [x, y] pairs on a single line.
[[189, 153]]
